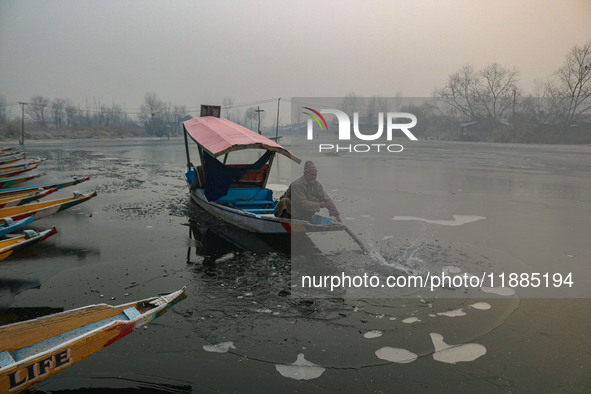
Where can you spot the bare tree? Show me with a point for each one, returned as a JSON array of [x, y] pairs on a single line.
[[152, 113], [573, 84], [227, 104], [250, 117], [57, 108], [72, 113], [485, 95], [498, 91], [459, 95], [352, 102], [3, 110], [178, 113], [36, 109]]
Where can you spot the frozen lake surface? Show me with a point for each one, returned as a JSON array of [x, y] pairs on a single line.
[[247, 324]]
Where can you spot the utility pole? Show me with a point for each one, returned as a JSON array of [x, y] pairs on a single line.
[[22, 141], [277, 127], [258, 111], [513, 117]]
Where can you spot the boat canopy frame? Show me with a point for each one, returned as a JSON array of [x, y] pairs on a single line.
[[219, 136]]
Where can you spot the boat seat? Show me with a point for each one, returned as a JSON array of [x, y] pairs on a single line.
[[6, 359], [250, 202], [258, 211], [28, 351], [131, 313]]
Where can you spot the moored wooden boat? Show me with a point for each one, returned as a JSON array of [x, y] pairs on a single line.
[[14, 200], [15, 180], [20, 163], [18, 170], [33, 350], [237, 193], [11, 157], [42, 209], [58, 185], [10, 245], [7, 225]]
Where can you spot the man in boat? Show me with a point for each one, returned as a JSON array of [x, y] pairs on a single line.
[[306, 196]]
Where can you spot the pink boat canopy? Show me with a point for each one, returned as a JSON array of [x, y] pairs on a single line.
[[219, 136]]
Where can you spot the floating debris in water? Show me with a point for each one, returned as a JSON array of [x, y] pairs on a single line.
[[483, 306], [372, 334], [223, 347], [396, 355], [452, 354], [458, 220], [301, 369], [450, 269], [226, 257], [454, 313], [503, 291]]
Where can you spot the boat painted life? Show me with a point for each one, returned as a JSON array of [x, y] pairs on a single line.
[[7, 225], [18, 170], [42, 209], [15, 180], [10, 245], [242, 199], [58, 185], [34, 350], [14, 200]]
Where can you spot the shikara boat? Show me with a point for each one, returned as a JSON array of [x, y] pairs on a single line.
[[237, 193], [33, 350], [15, 180], [9, 158], [42, 209], [58, 185], [7, 225], [20, 163], [17, 170], [14, 200], [10, 245]]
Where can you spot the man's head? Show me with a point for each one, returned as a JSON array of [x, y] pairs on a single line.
[[310, 171]]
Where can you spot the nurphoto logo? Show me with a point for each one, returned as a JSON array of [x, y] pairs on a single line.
[[393, 125]]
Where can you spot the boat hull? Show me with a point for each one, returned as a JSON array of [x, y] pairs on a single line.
[[6, 182], [42, 209], [63, 339], [11, 245], [14, 200], [58, 185], [17, 170], [258, 223], [8, 225]]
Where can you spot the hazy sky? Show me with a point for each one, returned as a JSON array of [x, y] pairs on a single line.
[[194, 52]]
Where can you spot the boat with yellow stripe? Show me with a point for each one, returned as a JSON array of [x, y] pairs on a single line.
[[34, 350]]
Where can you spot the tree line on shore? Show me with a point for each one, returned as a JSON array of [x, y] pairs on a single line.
[[482, 105]]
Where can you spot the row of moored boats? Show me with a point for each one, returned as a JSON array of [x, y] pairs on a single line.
[[33, 350], [22, 205]]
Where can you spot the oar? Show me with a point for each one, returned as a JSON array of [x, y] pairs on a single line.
[[356, 239]]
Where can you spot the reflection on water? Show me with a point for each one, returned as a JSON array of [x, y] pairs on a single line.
[[241, 297], [11, 287], [13, 315]]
